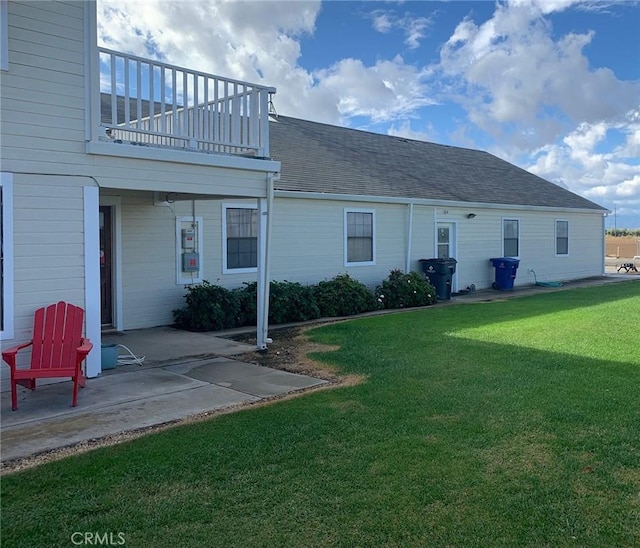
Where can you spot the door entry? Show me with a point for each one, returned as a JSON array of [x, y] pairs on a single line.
[[446, 247], [106, 266], [445, 241]]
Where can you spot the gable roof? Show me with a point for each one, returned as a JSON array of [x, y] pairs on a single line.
[[322, 158]]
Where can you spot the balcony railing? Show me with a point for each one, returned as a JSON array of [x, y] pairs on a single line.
[[150, 103]]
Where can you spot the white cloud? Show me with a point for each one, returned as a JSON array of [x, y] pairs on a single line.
[[544, 106], [413, 28], [611, 178], [263, 44], [404, 129], [515, 73]]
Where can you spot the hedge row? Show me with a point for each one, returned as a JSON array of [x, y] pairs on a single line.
[[211, 307]]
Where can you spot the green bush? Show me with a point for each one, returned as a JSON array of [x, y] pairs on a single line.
[[247, 304], [291, 302], [209, 308], [213, 308], [344, 296], [401, 290]]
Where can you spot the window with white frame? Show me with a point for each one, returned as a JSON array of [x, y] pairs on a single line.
[[510, 237], [240, 238], [4, 35], [359, 237], [6, 256], [562, 237]]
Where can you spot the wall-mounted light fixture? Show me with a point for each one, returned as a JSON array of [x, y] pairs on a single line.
[[471, 216]]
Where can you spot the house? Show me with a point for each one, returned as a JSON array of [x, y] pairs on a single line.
[[126, 179], [419, 200]]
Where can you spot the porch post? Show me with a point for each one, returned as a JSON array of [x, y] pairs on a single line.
[[92, 279], [265, 209], [262, 253]]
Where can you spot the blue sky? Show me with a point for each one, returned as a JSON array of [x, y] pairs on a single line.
[[550, 85]]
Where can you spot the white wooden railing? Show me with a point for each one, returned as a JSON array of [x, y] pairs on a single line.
[[151, 103]]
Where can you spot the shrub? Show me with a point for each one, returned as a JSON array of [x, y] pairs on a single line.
[[291, 302], [344, 296], [209, 308], [401, 290], [247, 296]]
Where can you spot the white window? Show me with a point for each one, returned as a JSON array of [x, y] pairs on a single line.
[[360, 237], [562, 237], [510, 237], [6, 256], [4, 35], [240, 238]]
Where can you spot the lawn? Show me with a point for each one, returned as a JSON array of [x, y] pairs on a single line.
[[509, 423]]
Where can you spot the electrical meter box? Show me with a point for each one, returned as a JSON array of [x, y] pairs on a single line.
[[190, 262], [188, 238]]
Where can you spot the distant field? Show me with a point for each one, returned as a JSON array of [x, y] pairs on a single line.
[[622, 246]]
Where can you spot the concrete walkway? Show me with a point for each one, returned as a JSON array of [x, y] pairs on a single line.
[[167, 387]]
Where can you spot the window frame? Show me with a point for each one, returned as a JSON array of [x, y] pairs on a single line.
[[504, 251], [555, 232], [372, 212], [7, 329], [225, 267]]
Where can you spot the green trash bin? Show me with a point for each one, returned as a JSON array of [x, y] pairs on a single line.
[[440, 273]]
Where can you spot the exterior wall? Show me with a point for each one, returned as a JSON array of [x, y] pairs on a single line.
[[48, 254], [308, 240]]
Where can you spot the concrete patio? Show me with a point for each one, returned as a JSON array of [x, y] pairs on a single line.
[[183, 374]]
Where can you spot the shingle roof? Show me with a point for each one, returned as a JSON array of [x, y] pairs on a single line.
[[330, 159]]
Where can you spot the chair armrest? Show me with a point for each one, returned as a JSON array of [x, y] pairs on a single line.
[[85, 347], [14, 349], [9, 355]]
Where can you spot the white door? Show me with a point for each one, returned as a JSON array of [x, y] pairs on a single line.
[[446, 246]]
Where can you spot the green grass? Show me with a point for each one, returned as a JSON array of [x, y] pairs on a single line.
[[511, 423]]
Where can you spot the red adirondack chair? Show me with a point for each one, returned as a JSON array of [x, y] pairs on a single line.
[[58, 350]]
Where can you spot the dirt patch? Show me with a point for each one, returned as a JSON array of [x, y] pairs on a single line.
[[623, 247], [288, 352]]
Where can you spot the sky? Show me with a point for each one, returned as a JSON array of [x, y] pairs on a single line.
[[552, 86]]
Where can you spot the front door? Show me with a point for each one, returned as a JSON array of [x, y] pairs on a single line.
[[106, 266]]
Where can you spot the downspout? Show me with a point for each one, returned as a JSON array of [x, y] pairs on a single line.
[[435, 231], [409, 233]]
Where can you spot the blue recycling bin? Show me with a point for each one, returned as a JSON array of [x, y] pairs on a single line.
[[506, 268]]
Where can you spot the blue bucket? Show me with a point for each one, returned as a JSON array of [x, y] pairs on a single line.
[[109, 356]]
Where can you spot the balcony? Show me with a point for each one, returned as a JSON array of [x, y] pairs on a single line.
[[154, 104]]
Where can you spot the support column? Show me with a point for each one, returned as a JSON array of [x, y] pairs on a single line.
[[265, 208], [92, 279]]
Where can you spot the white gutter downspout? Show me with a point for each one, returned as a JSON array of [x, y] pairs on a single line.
[[264, 266], [435, 231], [409, 233]]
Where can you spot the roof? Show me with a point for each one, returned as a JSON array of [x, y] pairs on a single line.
[[322, 158]]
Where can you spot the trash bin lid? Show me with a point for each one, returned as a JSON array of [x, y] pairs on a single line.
[[439, 260], [506, 261]]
